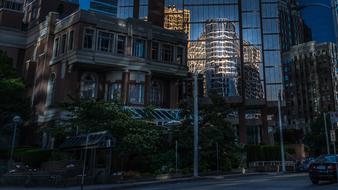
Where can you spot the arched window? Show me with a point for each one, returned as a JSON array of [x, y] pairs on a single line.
[[50, 89], [88, 86]]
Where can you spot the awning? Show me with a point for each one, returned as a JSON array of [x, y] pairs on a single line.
[[159, 116], [103, 140]]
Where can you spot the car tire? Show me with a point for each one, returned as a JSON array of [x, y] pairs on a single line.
[[314, 181]]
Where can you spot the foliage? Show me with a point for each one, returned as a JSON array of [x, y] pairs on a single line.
[[291, 136], [12, 92], [263, 153], [214, 130], [315, 139], [135, 138], [32, 156]]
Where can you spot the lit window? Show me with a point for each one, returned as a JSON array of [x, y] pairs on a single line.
[[138, 48], [88, 39], [88, 86], [121, 41], [136, 93]]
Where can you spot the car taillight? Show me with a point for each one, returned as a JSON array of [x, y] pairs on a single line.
[[312, 167], [331, 167]]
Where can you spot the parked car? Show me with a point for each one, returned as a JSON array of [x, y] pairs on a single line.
[[323, 168], [304, 166]]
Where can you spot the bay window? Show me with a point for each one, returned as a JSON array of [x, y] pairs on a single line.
[[121, 42], [88, 38], [105, 41], [167, 53], [139, 48], [115, 91], [154, 50]]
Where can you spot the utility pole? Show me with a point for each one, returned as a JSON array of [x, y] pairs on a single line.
[[195, 124], [281, 132]]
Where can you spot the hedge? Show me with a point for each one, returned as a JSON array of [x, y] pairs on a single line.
[[263, 153]]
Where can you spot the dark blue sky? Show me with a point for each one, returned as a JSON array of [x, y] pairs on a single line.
[[320, 20]]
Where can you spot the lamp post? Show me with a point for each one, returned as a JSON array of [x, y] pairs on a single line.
[[195, 95], [281, 132], [17, 121], [195, 123]]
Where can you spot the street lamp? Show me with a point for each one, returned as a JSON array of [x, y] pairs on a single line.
[[281, 131], [195, 75], [17, 121]]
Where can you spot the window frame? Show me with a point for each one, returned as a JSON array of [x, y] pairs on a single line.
[[93, 38]]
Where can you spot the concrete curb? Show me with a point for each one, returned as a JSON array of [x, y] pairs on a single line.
[[170, 181]]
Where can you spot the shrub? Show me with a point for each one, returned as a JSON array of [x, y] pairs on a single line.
[[32, 157]]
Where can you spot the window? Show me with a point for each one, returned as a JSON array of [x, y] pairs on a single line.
[[63, 43], [136, 93], [115, 91], [167, 53], [50, 90], [56, 47], [156, 93], [71, 40], [88, 39], [121, 42], [179, 55], [138, 48], [88, 86], [105, 41], [154, 50]]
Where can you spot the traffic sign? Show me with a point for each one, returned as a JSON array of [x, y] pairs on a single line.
[[333, 135]]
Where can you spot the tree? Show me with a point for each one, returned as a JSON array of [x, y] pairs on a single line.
[[214, 129], [136, 139], [12, 92], [315, 139]]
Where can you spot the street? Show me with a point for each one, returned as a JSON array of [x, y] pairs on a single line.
[[260, 182]]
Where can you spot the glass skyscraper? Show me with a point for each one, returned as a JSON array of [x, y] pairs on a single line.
[[101, 6]]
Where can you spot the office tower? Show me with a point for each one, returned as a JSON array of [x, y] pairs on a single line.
[[310, 82], [104, 6], [222, 57], [175, 19]]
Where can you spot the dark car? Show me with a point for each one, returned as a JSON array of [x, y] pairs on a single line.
[[323, 168]]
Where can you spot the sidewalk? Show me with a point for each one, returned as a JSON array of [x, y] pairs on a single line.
[[137, 184]]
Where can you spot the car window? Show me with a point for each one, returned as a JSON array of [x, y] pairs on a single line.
[[325, 159]]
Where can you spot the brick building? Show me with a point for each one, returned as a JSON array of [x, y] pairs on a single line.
[[81, 54]]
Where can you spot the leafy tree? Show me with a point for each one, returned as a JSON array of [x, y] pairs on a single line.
[[12, 92], [136, 139], [315, 139], [213, 129]]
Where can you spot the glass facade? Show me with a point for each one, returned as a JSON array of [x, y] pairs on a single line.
[[126, 9], [228, 39]]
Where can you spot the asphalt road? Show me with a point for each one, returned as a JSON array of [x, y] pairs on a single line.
[[260, 182]]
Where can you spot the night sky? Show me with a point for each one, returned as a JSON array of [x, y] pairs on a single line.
[[319, 19]]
